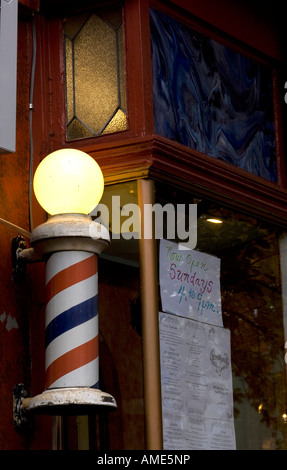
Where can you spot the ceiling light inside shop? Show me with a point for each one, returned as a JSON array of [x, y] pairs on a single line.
[[214, 220]]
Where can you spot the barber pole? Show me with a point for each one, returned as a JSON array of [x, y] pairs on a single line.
[[71, 320], [70, 246], [69, 184]]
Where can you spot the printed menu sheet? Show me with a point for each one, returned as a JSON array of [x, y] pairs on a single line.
[[190, 283], [196, 381]]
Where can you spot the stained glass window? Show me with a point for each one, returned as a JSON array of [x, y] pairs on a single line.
[[95, 76], [212, 98]]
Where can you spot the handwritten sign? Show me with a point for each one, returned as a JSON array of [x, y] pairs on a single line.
[[190, 283]]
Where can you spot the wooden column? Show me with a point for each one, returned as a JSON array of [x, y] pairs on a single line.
[[150, 326]]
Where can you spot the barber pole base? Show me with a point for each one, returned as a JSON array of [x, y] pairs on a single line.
[[70, 401]]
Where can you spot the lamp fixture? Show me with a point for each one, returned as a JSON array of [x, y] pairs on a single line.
[[68, 181]]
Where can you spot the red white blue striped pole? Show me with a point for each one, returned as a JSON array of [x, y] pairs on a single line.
[[70, 246], [71, 329]]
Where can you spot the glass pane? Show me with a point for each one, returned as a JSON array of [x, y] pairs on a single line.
[[212, 98], [95, 79], [120, 319], [69, 81], [118, 212], [117, 123], [252, 257]]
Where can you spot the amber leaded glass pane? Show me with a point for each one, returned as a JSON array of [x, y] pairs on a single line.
[[95, 79]]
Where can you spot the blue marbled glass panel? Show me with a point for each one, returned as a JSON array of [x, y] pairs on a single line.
[[211, 98]]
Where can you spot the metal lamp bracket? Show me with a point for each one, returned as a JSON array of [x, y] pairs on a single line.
[[21, 418], [18, 267]]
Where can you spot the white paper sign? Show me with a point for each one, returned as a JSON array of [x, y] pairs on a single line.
[[196, 383], [190, 283]]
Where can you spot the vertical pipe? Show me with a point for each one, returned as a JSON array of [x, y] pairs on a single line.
[[71, 329], [150, 326], [57, 433]]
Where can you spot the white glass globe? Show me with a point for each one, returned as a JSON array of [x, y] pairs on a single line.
[[68, 181]]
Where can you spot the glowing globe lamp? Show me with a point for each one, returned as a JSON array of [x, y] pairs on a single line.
[[68, 181]]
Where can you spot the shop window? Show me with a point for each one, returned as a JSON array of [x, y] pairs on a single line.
[[211, 97], [203, 407], [120, 349], [95, 77], [247, 263]]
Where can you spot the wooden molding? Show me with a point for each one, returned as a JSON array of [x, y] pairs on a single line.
[[172, 163], [220, 181]]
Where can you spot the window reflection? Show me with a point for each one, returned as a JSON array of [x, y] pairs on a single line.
[[252, 311]]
